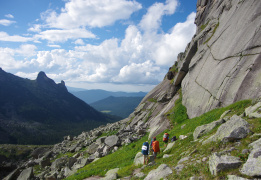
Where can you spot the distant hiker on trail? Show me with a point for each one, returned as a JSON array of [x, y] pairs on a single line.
[[155, 147], [145, 152], [166, 139]]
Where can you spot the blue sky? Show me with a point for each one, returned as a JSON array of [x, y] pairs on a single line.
[[115, 45]]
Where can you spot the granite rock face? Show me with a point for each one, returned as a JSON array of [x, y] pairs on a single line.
[[226, 66]]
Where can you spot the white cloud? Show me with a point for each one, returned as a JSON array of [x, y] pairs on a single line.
[[5, 37], [56, 35], [54, 45], [35, 28], [27, 50], [91, 13], [6, 22], [9, 16], [171, 44], [152, 20], [79, 42], [142, 57], [8, 58], [138, 73]]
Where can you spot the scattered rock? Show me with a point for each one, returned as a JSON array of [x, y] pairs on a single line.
[[161, 172], [201, 130], [253, 165], [170, 145], [234, 129], [219, 163], [167, 155], [254, 111], [26, 174], [139, 159], [233, 177], [112, 141], [181, 137]]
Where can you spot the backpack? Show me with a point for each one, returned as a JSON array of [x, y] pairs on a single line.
[[174, 138], [166, 137], [155, 146]]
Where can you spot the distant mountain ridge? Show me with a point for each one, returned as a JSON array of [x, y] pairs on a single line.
[[41, 111], [91, 96], [119, 106]]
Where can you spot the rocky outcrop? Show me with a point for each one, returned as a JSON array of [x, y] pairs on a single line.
[[226, 66], [234, 129], [253, 165], [219, 163], [161, 172]]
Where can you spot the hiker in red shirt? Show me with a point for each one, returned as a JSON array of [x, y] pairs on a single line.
[[155, 147], [166, 139]]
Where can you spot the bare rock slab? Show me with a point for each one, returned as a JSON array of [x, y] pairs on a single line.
[[253, 165], [26, 174], [218, 163], [161, 172]]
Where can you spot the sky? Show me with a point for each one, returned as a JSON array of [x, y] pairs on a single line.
[[114, 45]]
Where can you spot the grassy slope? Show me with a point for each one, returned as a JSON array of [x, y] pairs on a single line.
[[124, 157]]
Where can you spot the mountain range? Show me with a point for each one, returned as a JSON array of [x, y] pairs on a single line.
[[41, 111], [93, 95], [118, 106]]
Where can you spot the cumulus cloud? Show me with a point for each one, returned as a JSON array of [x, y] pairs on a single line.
[[143, 56], [62, 35], [138, 73], [6, 22], [91, 13], [35, 28], [79, 42], [15, 38], [152, 20], [8, 60]]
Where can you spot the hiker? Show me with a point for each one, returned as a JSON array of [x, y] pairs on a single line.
[[145, 152], [166, 139], [155, 147], [151, 145]]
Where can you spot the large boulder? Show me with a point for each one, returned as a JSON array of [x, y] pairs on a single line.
[[111, 174], [26, 174], [161, 172], [204, 129], [170, 145], [59, 163], [39, 152], [139, 159], [234, 129], [92, 148], [219, 163], [112, 141], [254, 111], [253, 165]]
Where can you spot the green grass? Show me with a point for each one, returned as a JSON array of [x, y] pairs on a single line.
[[212, 33], [124, 157], [178, 113], [152, 100]]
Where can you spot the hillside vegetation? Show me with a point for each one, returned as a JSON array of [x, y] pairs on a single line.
[[124, 157]]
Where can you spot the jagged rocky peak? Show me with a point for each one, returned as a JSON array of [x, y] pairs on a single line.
[[47, 83]]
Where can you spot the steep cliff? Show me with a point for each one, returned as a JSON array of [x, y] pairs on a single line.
[[221, 64]]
